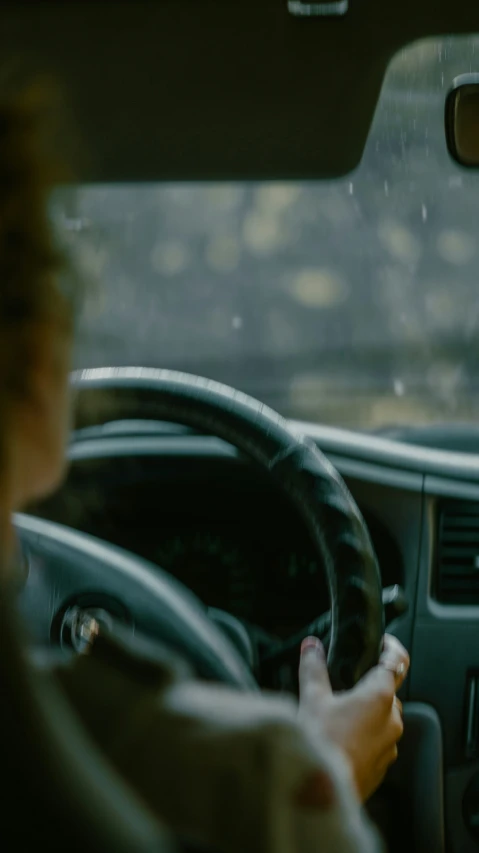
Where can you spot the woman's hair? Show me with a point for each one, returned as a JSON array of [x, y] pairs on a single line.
[[32, 265]]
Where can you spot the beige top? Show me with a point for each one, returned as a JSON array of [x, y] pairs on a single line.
[[220, 767]]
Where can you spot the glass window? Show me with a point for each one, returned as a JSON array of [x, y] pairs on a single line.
[[352, 302]]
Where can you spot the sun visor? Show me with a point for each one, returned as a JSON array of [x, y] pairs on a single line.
[[222, 89]]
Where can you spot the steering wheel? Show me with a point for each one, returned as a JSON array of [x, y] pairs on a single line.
[[161, 607], [72, 796]]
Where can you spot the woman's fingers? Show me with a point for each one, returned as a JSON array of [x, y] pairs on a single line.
[[389, 758], [389, 675], [365, 722], [314, 683], [395, 659], [396, 722]]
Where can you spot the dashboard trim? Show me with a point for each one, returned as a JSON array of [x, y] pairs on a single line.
[[394, 454], [209, 447], [392, 460]]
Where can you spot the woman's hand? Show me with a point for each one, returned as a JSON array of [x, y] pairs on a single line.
[[365, 722]]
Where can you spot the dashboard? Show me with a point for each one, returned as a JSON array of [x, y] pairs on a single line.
[[194, 506]]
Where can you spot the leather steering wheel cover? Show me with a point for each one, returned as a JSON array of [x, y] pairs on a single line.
[[299, 468]]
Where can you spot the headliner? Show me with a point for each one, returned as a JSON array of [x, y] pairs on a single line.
[[221, 89]]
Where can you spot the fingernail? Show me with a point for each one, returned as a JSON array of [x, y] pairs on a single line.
[[313, 643]]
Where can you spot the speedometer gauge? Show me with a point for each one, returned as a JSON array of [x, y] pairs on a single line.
[[220, 572], [277, 588]]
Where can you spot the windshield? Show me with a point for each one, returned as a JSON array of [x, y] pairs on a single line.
[[352, 302]]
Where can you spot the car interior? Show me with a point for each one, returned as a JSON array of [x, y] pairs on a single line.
[[278, 209]]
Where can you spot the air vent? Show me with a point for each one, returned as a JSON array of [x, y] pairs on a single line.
[[458, 553]]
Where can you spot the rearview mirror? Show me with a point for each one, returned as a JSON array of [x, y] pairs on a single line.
[[462, 120]]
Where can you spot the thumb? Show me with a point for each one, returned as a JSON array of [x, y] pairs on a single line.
[[314, 683]]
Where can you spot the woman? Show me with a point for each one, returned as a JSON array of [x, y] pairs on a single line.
[[229, 770]]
